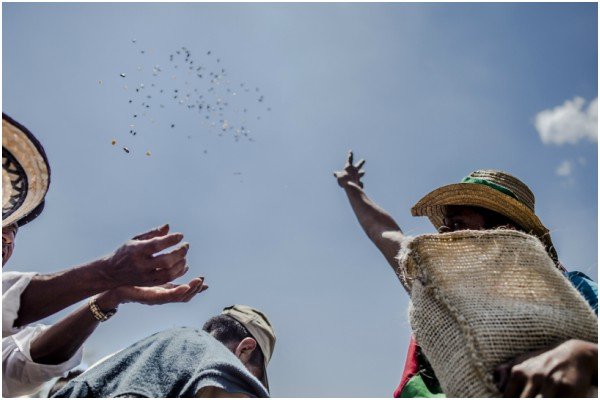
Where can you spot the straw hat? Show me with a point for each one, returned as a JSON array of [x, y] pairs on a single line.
[[25, 174], [492, 190]]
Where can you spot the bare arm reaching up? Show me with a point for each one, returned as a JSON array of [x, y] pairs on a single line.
[[379, 226]]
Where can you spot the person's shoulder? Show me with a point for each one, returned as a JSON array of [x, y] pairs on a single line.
[[180, 336], [586, 286], [578, 275], [183, 332], [11, 277]]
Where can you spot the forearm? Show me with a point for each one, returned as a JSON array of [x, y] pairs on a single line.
[[374, 220], [48, 294], [62, 340]]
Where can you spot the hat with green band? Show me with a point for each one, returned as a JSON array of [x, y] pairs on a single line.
[[493, 190]]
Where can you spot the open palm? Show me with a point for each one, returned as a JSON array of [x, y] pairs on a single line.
[[162, 294]]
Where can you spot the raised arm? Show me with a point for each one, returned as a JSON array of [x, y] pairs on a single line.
[[379, 226], [134, 263]]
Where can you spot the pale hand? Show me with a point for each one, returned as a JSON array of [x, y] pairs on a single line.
[[350, 173]]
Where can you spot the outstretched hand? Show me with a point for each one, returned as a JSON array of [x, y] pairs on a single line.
[[567, 370], [350, 173], [135, 262], [162, 294]]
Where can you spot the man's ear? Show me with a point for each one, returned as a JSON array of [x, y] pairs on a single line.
[[244, 349]]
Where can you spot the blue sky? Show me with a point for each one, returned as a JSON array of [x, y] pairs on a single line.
[[425, 92]]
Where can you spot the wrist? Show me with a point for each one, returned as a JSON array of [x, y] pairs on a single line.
[[350, 185], [101, 270], [109, 300]]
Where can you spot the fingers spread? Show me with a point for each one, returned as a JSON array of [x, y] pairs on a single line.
[[171, 258], [160, 231], [348, 160], [160, 243], [164, 275]]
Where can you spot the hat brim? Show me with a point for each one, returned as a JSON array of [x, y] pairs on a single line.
[[25, 174], [470, 194]]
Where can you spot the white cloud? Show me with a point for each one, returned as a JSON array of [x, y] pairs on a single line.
[[568, 123], [565, 168]]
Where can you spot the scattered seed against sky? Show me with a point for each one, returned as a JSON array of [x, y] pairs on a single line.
[[219, 108]]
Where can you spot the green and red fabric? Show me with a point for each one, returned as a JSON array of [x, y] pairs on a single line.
[[418, 379]]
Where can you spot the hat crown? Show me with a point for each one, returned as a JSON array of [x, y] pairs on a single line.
[[521, 191]]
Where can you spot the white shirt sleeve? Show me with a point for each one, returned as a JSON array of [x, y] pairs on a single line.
[[21, 375], [13, 284]]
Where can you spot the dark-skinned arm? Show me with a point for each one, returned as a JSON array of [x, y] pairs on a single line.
[[379, 226], [62, 340], [134, 263]]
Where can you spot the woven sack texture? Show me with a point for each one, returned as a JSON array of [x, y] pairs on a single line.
[[481, 298]]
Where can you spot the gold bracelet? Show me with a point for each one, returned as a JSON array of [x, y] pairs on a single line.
[[97, 312]]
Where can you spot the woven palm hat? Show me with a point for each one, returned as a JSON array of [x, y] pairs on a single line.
[[493, 190], [25, 174]]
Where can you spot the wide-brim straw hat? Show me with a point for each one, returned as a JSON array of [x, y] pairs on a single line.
[[493, 190], [25, 174]]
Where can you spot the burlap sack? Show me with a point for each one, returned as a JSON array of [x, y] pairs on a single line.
[[481, 298]]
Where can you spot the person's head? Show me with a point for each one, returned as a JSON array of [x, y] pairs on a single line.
[[248, 334], [9, 233], [485, 199], [456, 218], [25, 180]]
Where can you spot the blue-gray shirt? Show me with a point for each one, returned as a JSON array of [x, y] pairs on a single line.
[[173, 363]]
